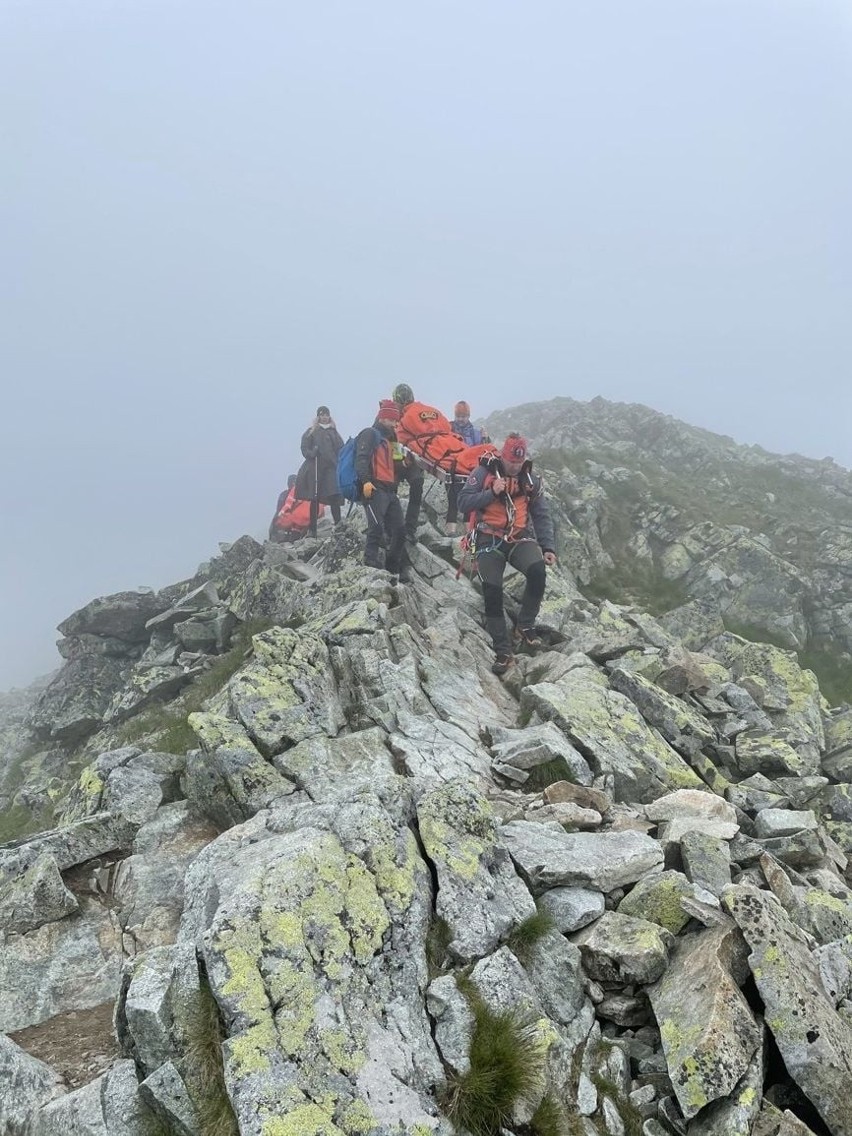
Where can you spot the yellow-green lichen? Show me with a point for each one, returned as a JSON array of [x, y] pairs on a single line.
[[747, 1097], [91, 784], [457, 828], [343, 1050], [358, 1119], [240, 944], [304, 1120], [251, 1051]]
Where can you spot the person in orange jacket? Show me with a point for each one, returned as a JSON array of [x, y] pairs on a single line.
[[376, 470], [292, 517], [512, 525]]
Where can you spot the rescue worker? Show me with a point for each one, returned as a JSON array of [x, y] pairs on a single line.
[[408, 470], [292, 517], [317, 478], [512, 526], [471, 436], [376, 470]]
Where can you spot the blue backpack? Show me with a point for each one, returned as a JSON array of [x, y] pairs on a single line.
[[347, 479]]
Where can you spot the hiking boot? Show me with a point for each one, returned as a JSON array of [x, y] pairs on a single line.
[[525, 639], [502, 664]]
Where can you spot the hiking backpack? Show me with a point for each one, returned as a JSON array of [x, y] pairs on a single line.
[[347, 480]]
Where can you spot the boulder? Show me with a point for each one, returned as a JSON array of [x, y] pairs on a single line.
[[656, 898], [611, 733], [709, 1034], [517, 752], [621, 949], [571, 908], [681, 726], [814, 1042], [479, 893], [123, 616], [549, 857], [25, 1085], [36, 897]]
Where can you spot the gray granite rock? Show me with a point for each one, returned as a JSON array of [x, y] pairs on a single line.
[[815, 1043], [26, 1084], [516, 752], [35, 897], [621, 949], [709, 1033], [571, 908], [479, 893], [550, 858]]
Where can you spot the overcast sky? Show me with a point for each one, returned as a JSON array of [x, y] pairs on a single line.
[[214, 216]]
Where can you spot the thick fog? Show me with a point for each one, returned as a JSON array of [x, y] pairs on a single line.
[[215, 216]]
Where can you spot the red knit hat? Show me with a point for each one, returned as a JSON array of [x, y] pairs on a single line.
[[388, 410], [462, 410], [514, 448]]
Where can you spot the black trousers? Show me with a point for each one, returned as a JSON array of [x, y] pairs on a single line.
[[413, 474], [492, 556], [334, 503], [384, 518]]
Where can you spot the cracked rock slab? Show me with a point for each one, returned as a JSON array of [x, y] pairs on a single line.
[[814, 1041]]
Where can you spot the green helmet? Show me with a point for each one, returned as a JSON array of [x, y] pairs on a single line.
[[403, 394]]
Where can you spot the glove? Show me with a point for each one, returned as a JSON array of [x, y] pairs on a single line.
[[368, 489]]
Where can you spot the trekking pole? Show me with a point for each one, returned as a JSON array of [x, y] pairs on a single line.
[[315, 502]]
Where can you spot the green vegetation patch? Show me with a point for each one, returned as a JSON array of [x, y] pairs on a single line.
[[548, 773], [507, 1056], [204, 1068], [524, 937]]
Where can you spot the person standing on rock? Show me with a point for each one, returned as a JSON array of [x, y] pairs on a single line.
[[375, 468], [317, 478], [408, 470], [512, 525]]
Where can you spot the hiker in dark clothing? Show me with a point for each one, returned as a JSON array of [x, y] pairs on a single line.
[[513, 526], [375, 468], [317, 478], [408, 470]]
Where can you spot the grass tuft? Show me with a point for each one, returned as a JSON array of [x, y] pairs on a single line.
[[507, 1057], [550, 1119], [540, 776], [204, 1067], [524, 937]]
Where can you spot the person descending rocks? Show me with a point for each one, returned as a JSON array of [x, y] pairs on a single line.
[[376, 470], [512, 525], [407, 469], [292, 517], [317, 478], [471, 435]]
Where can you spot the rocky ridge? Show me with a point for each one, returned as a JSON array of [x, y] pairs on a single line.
[[334, 874], [659, 512]]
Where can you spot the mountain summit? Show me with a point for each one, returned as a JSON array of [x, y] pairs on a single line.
[[284, 858]]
